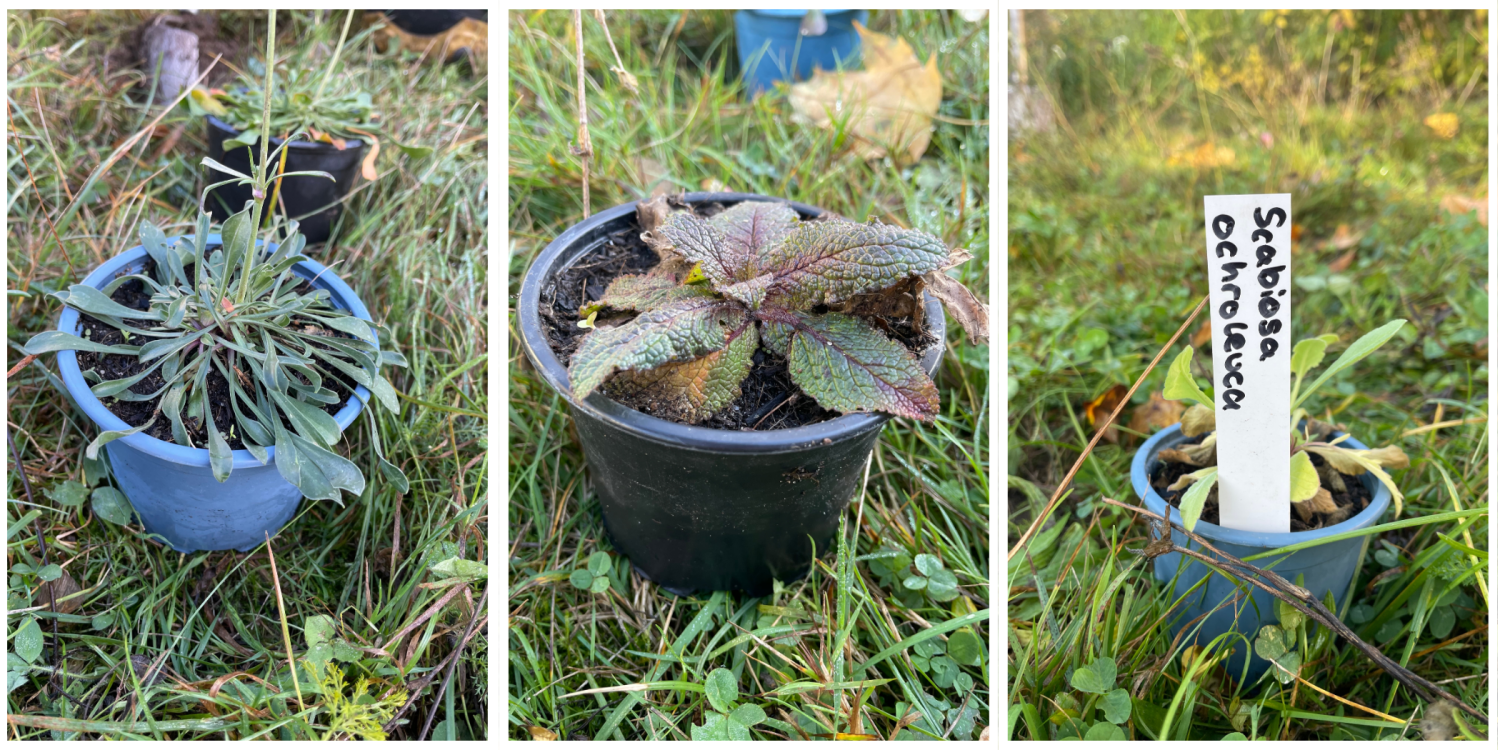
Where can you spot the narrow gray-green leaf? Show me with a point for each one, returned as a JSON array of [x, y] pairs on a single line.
[[58, 341], [94, 302], [109, 436]]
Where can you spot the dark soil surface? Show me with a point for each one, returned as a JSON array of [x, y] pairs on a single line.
[[768, 398], [1164, 473], [133, 294]]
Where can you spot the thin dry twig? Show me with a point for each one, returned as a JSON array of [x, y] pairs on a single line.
[[584, 150], [1103, 425], [1300, 598], [626, 79]]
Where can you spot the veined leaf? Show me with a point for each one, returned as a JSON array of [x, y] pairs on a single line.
[[643, 292], [752, 228], [848, 366], [1304, 477], [706, 244], [1180, 383], [679, 331], [696, 389], [777, 337], [822, 262], [1360, 349], [752, 292], [58, 341], [1307, 354]]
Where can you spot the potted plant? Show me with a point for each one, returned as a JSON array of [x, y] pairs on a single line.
[[221, 369], [340, 130], [738, 359], [788, 45], [1338, 485]]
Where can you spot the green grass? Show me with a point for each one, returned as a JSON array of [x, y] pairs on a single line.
[[928, 490], [413, 245], [1106, 261]]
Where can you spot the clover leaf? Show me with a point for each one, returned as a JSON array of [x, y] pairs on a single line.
[[594, 576], [940, 584]]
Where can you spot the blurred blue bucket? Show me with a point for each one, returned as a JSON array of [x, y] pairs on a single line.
[[772, 47]]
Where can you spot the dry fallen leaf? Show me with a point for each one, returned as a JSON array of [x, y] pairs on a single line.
[[57, 591], [1461, 204], [1444, 124], [1322, 502], [542, 735], [1206, 156], [887, 107], [1204, 333], [1342, 238], [1102, 407], [1156, 414], [653, 174]]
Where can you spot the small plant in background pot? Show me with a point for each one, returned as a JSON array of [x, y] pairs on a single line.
[[228, 339]]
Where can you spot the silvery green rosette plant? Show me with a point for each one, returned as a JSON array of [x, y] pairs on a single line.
[[236, 310], [755, 275]]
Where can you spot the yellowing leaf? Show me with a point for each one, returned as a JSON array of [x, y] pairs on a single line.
[[887, 108], [1304, 477], [367, 167], [207, 101]]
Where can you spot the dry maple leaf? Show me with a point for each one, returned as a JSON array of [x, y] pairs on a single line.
[[889, 104]]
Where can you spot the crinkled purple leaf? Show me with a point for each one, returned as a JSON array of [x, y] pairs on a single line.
[[754, 227], [752, 292], [696, 389], [776, 336], [823, 262], [848, 366], [640, 293], [704, 243], [679, 331]]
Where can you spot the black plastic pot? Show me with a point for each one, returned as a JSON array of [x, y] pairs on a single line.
[[700, 509], [313, 201]]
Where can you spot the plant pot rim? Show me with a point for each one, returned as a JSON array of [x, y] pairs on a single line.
[[1139, 476], [72, 377], [647, 427], [350, 144]]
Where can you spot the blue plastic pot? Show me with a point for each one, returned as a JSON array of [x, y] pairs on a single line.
[[1326, 568], [772, 47], [171, 486]]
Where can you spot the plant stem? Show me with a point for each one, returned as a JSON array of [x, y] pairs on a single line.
[[585, 147], [261, 168], [336, 52]]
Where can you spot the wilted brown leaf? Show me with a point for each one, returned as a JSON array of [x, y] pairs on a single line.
[[1342, 263], [1102, 407], [961, 303], [55, 591], [1156, 414], [1322, 502], [542, 735], [1342, 238], [889, 104]]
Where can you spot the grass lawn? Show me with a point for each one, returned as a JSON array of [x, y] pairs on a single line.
[[795, 653], [1106, 261], [161, 645]]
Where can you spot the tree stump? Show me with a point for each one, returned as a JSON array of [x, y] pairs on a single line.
[[176, 52]]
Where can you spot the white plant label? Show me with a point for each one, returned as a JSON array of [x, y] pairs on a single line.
[[1249, 281]]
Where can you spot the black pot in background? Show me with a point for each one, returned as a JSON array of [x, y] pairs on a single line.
[[699, 509], [313, 201]]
